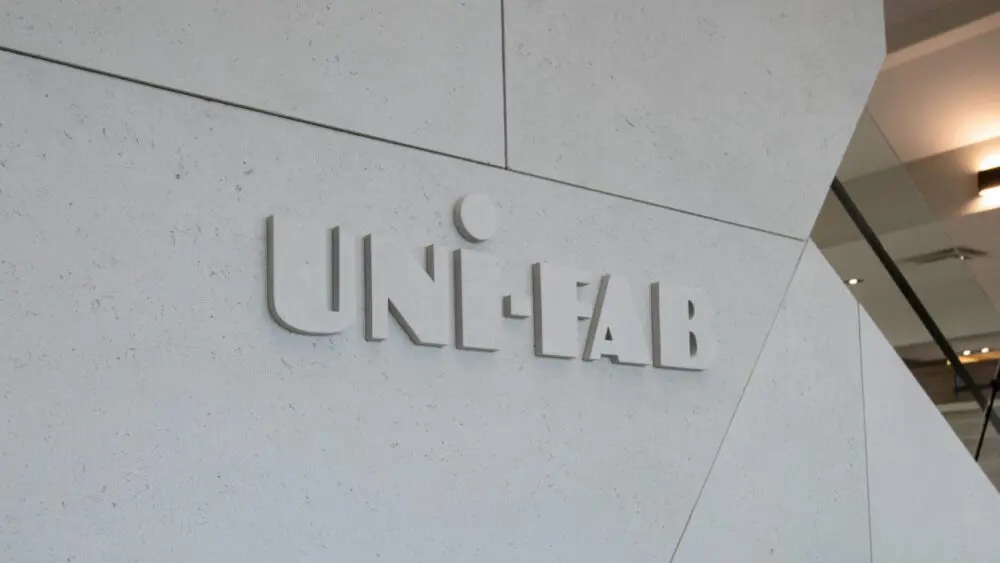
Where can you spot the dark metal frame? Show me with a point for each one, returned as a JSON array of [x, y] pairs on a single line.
[[918, 307], [989, 178], [995, 385]]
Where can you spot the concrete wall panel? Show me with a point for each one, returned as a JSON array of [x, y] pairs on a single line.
[[422, 72], [929, 499], [790, 481], [730, 109], [153, 410]]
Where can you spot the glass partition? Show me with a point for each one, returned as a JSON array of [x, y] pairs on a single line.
[[936, 252]]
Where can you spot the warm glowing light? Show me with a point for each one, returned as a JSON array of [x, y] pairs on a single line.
[[966, 352], [988, 184], [991, 161], [988, 200], [991, 193], [985, 350], [854, 281]]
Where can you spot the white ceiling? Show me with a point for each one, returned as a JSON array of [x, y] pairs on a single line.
[[867, 152], [943, 101], [912, 22], [934, 122], [948, 289]]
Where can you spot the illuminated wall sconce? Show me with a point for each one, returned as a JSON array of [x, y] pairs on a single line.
[[989, 182]]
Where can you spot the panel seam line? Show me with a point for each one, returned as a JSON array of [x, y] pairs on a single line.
[[370, 137], [503, 70], [736, 409], [864, 425]]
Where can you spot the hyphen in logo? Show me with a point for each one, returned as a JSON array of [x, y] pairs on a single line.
[[312, 270]]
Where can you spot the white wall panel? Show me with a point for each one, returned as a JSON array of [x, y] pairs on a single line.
[[790, 482], [152, 410], [730, 109], [929, 499], [422, 72]]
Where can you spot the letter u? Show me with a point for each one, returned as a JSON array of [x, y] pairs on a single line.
[[311, 271]]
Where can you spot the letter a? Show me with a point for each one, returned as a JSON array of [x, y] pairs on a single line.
[[616, 331]]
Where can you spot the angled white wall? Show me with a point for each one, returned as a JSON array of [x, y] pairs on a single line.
[[789, 483], [152, 406], [423, 72], [929, 499], [676, 103]]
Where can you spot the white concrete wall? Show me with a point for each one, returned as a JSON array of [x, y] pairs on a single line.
[[153, 411], [929, 499], [789, 483]]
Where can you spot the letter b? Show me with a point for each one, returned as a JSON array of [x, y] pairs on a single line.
[[682, 329]]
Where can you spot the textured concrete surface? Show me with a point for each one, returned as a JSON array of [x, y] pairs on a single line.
[[929, 499], [151, 406], [735, 110], [153, 410], [790, 482], [423, 72]]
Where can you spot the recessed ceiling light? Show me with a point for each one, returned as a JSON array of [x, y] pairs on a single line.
[[985, 350], [854, 281], [966, 352], [989, 181]]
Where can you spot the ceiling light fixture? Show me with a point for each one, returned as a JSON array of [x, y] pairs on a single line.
[[985, 350], [854, 281], [989, 181], [966, 352]]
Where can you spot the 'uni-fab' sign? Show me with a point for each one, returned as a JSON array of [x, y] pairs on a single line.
[[312, 270]]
